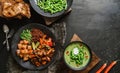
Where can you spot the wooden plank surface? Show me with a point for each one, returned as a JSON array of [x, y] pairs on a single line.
[[49, 21]]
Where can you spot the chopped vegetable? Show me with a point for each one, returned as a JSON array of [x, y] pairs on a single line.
[[35, 46], [52, 6], [101, 68], [110, 66], [26, 35]]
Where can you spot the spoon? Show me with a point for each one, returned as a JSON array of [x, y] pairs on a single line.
[[6, 31], [9, 36]]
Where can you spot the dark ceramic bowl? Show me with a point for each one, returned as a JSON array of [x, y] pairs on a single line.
[[16, 39], [72, 63], [47, 14]]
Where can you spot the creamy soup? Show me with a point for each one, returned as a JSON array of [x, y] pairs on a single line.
[[77, 55]]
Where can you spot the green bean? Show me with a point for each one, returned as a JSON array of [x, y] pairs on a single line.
[[77, 58], [52, 6], [77, 62], [81, 55], [26, 35]]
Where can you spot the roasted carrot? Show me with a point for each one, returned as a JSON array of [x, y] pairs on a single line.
[[49, 51], [101, 68], [110, 66]]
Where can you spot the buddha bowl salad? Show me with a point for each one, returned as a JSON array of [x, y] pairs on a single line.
[[35, 46]]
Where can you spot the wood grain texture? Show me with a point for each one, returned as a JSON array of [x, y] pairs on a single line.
[[49, 21]]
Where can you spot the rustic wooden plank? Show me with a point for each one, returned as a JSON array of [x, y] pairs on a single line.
[[49, 21]]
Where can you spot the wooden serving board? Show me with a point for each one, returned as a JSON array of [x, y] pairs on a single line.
[[94, 61], [49, 21]]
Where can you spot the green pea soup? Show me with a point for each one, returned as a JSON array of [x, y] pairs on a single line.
[[77, 55]]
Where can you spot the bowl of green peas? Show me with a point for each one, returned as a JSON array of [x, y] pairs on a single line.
[[77, 55], [50, 8]]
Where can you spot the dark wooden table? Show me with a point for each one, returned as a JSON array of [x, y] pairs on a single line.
[[97, 22]]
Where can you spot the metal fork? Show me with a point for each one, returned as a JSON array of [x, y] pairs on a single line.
[[6, 31], [9, 36]]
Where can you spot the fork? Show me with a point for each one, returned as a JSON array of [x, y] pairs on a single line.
[[6, 31], [9, 36]]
